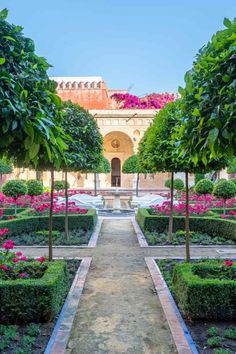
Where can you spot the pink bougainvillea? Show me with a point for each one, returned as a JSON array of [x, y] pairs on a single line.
[[152, 101]]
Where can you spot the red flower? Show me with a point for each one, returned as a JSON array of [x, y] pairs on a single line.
[[41, 259], [24, 275], [23, 258], [228, 263], [15, 260], [4, 267], [19, 254], [8, 245]]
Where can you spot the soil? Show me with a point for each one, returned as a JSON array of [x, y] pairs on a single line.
[[25, 342]]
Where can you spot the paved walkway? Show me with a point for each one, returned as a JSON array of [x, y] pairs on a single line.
[[118, 312]]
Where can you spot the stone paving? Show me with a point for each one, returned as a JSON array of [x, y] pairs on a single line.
[[119, 311]]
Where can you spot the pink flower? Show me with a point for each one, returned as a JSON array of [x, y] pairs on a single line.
[[19, 254], [15, 260], [23, 258], [8, 245], [24, 275], [41, 259], [3, 231], [228, 263], [4, 267]]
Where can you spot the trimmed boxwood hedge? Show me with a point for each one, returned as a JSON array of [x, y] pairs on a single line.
[[11, 211], [36, 223], [212, 226], [204, 298], [34, 300]]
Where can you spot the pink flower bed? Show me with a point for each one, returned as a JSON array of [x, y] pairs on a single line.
[[14, 265], [152, 101]]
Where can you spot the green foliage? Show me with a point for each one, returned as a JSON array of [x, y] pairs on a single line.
[[214, 342], [178, 184], [222, 351], [213, 331], [211, 226], [60, 185], [29, 107], [85, 150], [37, 223], [204, 298], [5, 167], [104, 166], [131, 165], [35, 300], [209, 98], [224, 189], [198, 177], [14, 188], [230, 333], [35, 187], [204, 186], [232, 166]]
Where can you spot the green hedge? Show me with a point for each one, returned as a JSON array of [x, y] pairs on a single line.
[[36, 223], [34, 300], [204, 298], [11, 211], [221, 210], [212, 226]]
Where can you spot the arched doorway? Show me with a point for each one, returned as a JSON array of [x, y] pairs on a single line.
[[115, 172]]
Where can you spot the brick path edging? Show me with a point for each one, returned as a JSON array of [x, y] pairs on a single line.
[[182, 338], [60, 336]]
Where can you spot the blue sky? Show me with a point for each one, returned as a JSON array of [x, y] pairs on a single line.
[[142, 45]]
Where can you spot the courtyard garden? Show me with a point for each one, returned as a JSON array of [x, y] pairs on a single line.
[[193, 133]]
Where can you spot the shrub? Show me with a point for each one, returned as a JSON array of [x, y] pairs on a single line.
[[35, 187], [204, 186], [224, 189], [14, 188], [214, 341], [210, 226], [198, 177], [230, 333], [178, 184], [34, 300], [36, 223], [213, 331], [60, 185], [233, 180], [204, 298]]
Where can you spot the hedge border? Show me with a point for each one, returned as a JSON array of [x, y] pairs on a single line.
[[204, 298], [41, 298], [11, 211], [212, 226], [35, 223]]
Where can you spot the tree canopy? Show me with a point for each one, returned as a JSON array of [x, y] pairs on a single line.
[[209, 98], [28, 103]]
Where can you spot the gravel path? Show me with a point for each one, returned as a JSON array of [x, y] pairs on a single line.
[[119, 312]]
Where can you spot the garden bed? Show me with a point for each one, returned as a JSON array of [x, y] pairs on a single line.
[[211, 337], [178, 238], [213, 227], [32, 337]]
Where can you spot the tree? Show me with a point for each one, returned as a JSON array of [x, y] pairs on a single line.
[[177, 185], [85, 149], [231, 169], [209, 99], [35, 187], [131, 165], [198, 177], [14, 189], [224, 189], [204, 187], [5, 168], [27, 97], [103, 167], [161, 151]]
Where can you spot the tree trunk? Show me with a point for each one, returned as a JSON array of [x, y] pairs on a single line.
[[39, 175], [224, 207], [170, 234], [66, 211], [15, 208], [95, 184], [137, 183], [187, 229], [50, 217]]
